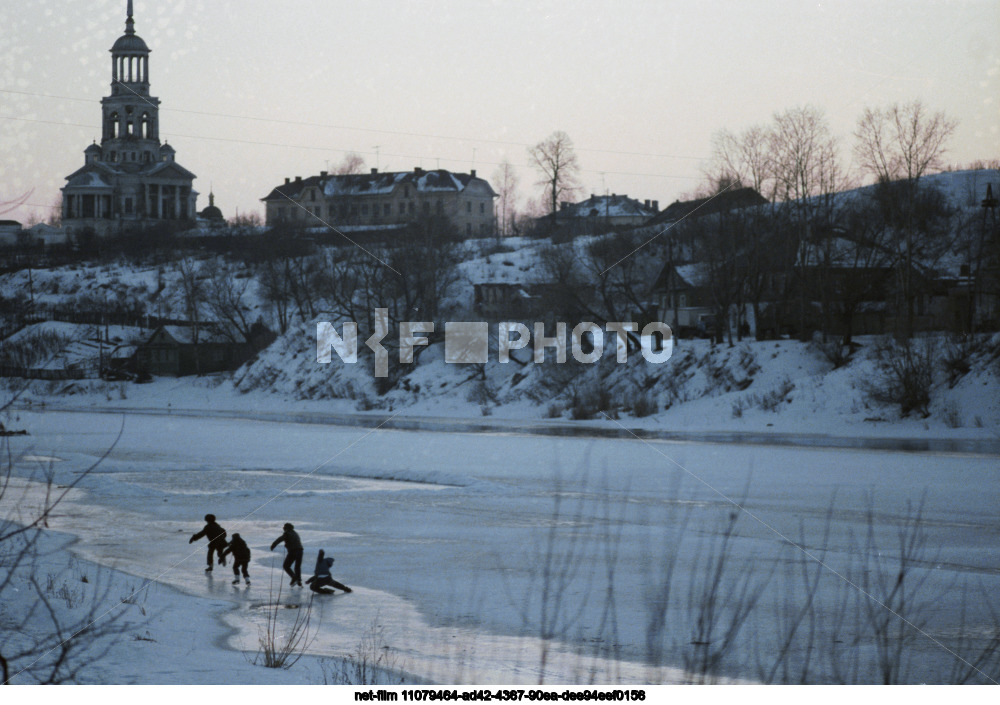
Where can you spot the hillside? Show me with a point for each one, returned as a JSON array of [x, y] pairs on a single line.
[[780, 385]]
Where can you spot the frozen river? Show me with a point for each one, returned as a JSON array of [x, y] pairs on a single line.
[[513, 558]]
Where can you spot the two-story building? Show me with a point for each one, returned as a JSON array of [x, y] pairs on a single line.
[[384, 199]]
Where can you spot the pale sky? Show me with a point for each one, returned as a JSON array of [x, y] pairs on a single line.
[[253, 91]]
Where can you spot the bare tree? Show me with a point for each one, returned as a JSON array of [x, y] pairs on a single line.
[[902, 143], [226, 296], [505, 181], [247, 219], [55, 213], [67, 628], [747, 157], [804, 162], [555, 160], [409, 277], [191, 295]]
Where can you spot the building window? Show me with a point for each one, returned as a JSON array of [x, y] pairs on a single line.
[[387, 209], [427, 207], [364, 209], [440, 206], [468, 228], [412, 208], [482, 209], [468, 206], [406, 192], [402, 208]]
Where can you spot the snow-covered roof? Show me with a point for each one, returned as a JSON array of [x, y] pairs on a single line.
[[375, 183], [207, 333], [728, 200], [613, 206], [693, 274]]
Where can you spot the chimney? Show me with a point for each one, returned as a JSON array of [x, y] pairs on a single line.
[[287, 180], [418, 171], [593, 197], [564, 205], [473, 172], [374, 171], [647, 203], [656, 206], [298, 178], [322, 173]]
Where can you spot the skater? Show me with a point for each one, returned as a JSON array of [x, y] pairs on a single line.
[[216, 540], [293, 561], [241, 558], [322, 577]]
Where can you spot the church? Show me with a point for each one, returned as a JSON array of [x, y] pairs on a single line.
[[130, 180]]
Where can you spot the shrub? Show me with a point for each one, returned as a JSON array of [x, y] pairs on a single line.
[[586, 403], [957, 359], [643, 404], [904, 376], [372, 662]]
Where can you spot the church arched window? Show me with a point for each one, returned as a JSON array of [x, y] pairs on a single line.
[[146, 126], [115, 126]]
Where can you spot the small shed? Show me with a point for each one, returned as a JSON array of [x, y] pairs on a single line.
[[178, 350]]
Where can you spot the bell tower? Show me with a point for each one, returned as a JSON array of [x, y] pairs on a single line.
[[130, 180], [130, 124]]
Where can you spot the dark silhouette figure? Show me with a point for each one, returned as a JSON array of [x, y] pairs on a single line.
[[322, 577], [216, 540], [293, 560], [241, 558]]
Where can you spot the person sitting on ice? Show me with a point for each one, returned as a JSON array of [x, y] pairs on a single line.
[[216, 540], [322, 577], [241, 558]]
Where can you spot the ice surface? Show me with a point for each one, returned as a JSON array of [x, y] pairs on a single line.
[[461, 545]]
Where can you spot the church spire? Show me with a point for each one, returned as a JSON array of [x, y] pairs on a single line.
[[129, 22]]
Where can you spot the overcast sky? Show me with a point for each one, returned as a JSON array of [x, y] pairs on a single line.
[[254, 91]]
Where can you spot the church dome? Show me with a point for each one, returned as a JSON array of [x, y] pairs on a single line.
[[130, 44], [211, 211]]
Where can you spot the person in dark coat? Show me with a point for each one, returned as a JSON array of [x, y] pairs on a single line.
[[216, 540], [322, 578], [241, 558], [293, 559]]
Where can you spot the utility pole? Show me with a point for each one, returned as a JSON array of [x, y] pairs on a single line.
[[989, 205]]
